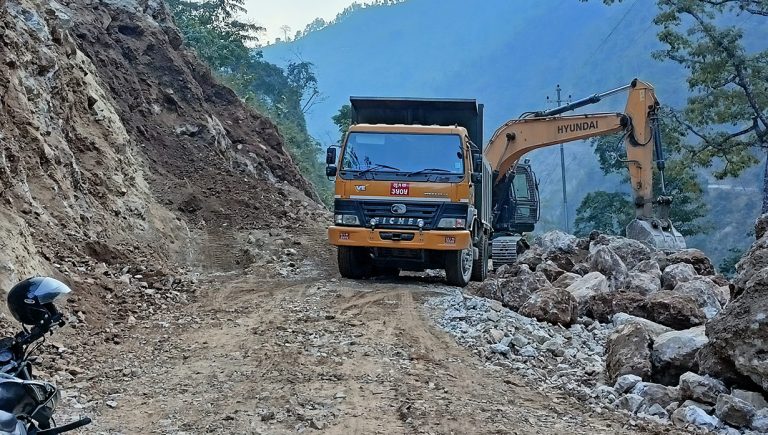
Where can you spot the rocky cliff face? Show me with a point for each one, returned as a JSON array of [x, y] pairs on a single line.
[[116, 143]]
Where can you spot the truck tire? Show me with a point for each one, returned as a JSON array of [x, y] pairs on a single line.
[[458, 267], [480, 266], [354, 262]]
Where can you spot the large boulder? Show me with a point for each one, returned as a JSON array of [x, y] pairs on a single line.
[[739, 335], [674, 310], [674, 353], [761, 226], [532, 257], [711, 363], [653, 328], [550, 270], [734, 411], [642, 283], [588, 285], [759, 421], [655, 393], [513, 292], [756, 259], [630, 402], [563, 260], [604, 260], [553, 241], [565, 280], [648, 267], [628, 353], [695, 258], [757, 400], [581, 269], [674, 274], [630, 251], [626, 383], [695, 416], [703, 389], [603, 306], [552, 305], [704, 291]]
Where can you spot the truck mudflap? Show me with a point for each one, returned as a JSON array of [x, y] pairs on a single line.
[[657, 233], [403, 239]]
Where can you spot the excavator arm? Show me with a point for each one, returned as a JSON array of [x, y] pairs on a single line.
[[639, 122]]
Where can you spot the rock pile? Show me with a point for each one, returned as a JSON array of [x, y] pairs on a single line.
[[656, 334], [607, 275]]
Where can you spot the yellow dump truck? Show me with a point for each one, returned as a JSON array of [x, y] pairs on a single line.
[[415, 189]]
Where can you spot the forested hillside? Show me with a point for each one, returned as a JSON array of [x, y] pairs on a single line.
[[510, 56]]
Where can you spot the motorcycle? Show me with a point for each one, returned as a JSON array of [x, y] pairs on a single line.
[[27, 404]]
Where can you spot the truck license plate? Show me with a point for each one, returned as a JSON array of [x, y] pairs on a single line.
[[399, 189], [449, 240]]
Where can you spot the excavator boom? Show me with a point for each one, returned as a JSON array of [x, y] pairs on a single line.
[[639, 122]]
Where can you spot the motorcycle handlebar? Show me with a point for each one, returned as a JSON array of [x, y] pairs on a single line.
[[66, 428]]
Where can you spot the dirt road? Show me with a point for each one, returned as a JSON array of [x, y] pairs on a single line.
[[280, 356]]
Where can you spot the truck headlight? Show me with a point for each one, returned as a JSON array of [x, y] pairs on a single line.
[[346, 219], [452, 223]]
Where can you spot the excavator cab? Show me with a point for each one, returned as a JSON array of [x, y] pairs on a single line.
[[516, 211]]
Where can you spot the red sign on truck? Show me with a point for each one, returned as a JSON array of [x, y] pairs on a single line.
[[399, 189]]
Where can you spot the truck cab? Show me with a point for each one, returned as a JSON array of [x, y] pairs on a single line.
[[409, 190]]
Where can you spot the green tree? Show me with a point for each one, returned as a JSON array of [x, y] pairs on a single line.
[[680, 181], [213, 30], [607, 212], [343, 119], [728, 110]]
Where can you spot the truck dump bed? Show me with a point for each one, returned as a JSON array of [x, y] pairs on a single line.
[[420, 111]]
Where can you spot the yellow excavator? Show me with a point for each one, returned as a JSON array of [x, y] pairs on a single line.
[[640, 124], [415, 189]]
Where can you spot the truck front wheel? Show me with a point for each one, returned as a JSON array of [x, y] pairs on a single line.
[[458, 267], [354, 262]]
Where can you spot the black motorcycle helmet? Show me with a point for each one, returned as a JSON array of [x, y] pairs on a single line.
[[31, 301]]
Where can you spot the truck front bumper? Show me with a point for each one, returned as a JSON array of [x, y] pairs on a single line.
[[439, 240]]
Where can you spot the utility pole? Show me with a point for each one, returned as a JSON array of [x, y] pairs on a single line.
[[566, 225]]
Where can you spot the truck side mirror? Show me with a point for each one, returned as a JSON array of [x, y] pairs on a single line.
[[331, 170], [330, 156], [477, 163]]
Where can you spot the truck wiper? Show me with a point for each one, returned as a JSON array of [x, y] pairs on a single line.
[[421, 171], [378, 166]]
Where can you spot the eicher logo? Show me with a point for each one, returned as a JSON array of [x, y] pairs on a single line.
[[360, 188], [399, 208], [576, 126], [399, 189]]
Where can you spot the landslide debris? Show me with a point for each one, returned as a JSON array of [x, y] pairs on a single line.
[[657, 334], [119, 146], [126, 170]]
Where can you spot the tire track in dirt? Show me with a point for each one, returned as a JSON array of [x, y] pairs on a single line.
[[271, 356]]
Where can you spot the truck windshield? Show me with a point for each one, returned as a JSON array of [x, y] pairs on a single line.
[[403, 152]]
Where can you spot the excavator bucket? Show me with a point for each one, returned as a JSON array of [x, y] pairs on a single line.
[[657, 233]]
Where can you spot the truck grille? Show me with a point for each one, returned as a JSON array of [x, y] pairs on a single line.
[[382, 211]]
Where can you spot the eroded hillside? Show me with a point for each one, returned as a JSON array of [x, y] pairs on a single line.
[[118, 144]]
